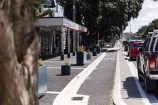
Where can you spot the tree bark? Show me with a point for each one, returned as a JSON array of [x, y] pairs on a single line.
[[19, 48]]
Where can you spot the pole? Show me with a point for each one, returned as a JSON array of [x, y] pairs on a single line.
[[68, 54], [130, 26], [74, 11], [61, 45], [74, 20], [98, 38]]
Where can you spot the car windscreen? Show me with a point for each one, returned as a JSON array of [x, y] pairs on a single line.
[[156, 48], [131, 43], [138, 45], [152, 43]]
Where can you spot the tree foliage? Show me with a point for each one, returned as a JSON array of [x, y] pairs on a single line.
[[150, 28], [36, 4], [141, 31], [105, 17]]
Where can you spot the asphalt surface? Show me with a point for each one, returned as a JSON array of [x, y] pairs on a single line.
[[99, 84]]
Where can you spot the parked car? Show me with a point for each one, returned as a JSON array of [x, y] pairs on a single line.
[[147, 62], [133, 52], [125, 45], [130, 45]]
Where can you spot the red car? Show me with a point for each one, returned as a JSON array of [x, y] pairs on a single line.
[[134, 50]]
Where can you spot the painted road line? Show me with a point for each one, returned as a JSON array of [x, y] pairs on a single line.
[[117, 98], [57, 61], [64, 98], [142, 93], [52, 92], [152, 99], [53, 67], [47, 61], [60, 67]]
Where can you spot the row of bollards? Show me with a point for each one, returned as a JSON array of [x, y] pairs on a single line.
[[66, 69]]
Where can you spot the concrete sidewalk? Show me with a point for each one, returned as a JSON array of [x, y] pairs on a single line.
[[127, 89], [57, 82]]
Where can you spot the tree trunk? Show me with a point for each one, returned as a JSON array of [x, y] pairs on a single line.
[[19, 47]]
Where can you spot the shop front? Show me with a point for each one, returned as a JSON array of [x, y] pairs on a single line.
[[56, 36]]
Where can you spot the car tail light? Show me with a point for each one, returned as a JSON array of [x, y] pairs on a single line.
[[152, 62], [134, 49]]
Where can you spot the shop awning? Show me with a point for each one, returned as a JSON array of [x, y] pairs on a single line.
[[59, 21]]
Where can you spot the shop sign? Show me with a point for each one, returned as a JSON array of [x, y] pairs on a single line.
[[70, 24], [83, 29]]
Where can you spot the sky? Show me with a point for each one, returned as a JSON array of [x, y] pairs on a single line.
[[147, 14]]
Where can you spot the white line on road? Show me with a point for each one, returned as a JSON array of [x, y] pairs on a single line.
[[117, 98], [133, 70], [60, 67], [52, 92], [64, 98], [152, 99], [57, 61]]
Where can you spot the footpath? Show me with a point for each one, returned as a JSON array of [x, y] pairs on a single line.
[[127, 89]]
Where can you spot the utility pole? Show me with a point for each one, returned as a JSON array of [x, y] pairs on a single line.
[[74, 11], [130, 26], [121, 34], [74, 20], [98, 38]]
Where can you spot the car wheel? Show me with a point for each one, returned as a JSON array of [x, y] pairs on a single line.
[[156, 87], [147, 85], [131, 58]]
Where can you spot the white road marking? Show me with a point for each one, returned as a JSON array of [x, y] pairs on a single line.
[[117, 98], [64, 98], [133, 70], [47, 61], [117, 95], [152, 99], [57, 61], [109, 59], [60, 67], [52, 92]]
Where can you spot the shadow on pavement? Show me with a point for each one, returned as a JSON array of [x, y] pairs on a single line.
[[76, 65], [109, 51], [49, 56], [41, 96], [59, 75], [131, 88]]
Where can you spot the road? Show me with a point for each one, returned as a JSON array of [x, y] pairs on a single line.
[[108, 79], [99, 84]]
